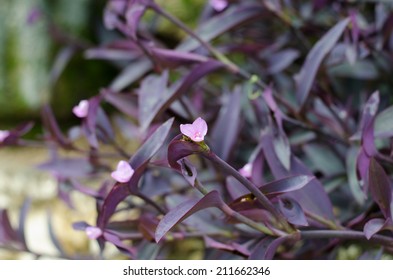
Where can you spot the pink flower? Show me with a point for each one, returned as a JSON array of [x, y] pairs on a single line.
[[3, 135], [196, 131], [218, 5], [81, 109], [93, 232], [123, 173], [246, 170]]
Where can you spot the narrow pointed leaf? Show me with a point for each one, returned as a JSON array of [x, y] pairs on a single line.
[[118, 193], [52, 235], [226, 128], [312, 197], [353, 181], [266, 248], [115, 240], [151, 145], [161, 98], [221, 23], [178, 149], [139, 160], [130, 74], [384, 123], [22, 222], [373, 226], [292, 211], [53, 128], [307, 74], [234, 247], [380, 188], [188, 170], [235, 188], [367, 124], [67, 167], [174, 58], [122, 102], [184, 210], [7, 233], [285, 185], [89, 123]]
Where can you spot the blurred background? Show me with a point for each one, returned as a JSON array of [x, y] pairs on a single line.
[[43, 60]]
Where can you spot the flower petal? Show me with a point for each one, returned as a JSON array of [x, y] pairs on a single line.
[[82, 109], [218, 5], [93, 232], [200, 125], [3, 135], [246, 170], [188, 130], [123, 172]]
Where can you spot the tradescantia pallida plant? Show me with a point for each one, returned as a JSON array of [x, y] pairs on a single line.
[[265, 132]]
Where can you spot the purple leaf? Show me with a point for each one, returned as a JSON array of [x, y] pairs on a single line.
[[178, 149], [104, 128], [139, 160], [307, 74], [280, 143], [257, 215], [60, 63], [384, 123], [226, 128], [52, 235], [184, 210], [107, 53], [353, 181], [85, 190], [281, 60], [312, 197], [130, 74], [367, 124], [221, 23], [292, 211], [188, 170], [67, 167], [117, 194], [80, 226], [7, 233], [90, 122], [380, 188], [266, 248], [285, 185], [157, 98], [22, 222], [122, 102], [147, 225], [235, 188], [133, 15], [375, 225], [52, 126], [113, 10], [115, 240], [172, 58], [151, 145], [233, 247]]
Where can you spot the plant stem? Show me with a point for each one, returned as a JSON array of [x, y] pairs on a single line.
[[252, 188], [220, 56], [241, 218], [346, 234], [148, 200], [330, 224]]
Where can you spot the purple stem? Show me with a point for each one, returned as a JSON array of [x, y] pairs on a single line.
[[251, 187], [346, 234]]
